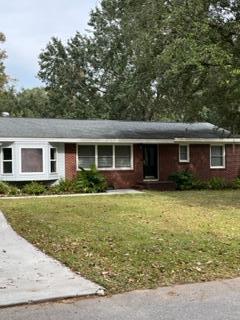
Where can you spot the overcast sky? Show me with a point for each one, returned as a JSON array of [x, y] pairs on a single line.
[[29, 25]]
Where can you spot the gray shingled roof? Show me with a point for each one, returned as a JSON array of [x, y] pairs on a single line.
[[105, 129]]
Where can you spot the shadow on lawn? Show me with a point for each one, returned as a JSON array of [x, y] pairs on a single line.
[[222, 199]]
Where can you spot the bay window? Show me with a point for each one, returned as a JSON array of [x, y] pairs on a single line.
[[217, 156], [109, 157]]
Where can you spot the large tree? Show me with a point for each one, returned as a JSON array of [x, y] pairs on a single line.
[[151, 60], [3, 76], [25, 103]]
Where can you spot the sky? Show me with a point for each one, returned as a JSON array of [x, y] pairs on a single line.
[[29, 25]]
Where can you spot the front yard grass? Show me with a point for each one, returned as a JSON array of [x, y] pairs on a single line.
[[136, 241]]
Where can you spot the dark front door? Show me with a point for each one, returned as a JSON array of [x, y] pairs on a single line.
[[150, 161]]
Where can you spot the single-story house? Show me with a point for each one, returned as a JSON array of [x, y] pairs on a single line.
[[128, 153]]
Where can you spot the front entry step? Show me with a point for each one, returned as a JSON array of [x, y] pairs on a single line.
[[156, 185]]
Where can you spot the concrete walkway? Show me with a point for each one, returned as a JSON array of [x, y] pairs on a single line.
[[28, 275]]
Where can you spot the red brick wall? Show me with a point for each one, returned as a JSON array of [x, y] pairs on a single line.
[[168, 163], [199, 162], [127, 178], [70, 160]]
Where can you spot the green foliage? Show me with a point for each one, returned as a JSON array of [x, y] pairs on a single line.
[[8, 189], [150, 60], [217, 183], [4, 188], [34, 188], [3, 76], [63, 186], [184, 180], [236, 183], [14, 191], [25, 103], [90, 181]]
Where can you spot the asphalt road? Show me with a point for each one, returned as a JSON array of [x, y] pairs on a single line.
[[219, 300]]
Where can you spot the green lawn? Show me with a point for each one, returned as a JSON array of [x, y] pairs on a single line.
[[136, 241]]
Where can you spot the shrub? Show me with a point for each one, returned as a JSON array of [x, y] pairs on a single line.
[[184, 180], [4, 188], [14, 191], [90, 181], [236, 183], [34, 187], [217, 183], [63, 186]]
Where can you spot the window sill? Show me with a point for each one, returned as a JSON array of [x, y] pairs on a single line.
[[109, 169], [213, 168]]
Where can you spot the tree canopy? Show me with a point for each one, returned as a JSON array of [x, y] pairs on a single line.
[[143, 60], [3, 76]]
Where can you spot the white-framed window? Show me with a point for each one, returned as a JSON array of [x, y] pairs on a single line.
[[184, 154], [217, 156], [31, 160], [105, 157], [53, 160], [123, 156], [86, 156], [7, 160]]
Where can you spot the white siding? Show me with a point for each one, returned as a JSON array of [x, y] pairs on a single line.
[[17, 175]]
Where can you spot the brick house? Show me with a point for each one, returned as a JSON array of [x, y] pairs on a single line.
[[128, 153]]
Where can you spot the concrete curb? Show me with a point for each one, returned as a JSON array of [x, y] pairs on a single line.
[[108, 193]]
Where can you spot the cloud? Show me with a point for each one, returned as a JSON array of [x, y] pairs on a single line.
[[29, 25]]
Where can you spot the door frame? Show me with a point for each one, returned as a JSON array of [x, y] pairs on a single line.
[[157, 178]]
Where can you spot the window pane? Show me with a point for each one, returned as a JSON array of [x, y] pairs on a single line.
[[123, 156], [53, 153], [53, 167], [184, 153], [217, 162], [32, 160], [105, 156], [7, 154], [86, 156], [7, 167], [217, 151], [86, 151]]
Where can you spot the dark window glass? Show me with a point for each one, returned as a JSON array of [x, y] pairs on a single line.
[[7, 154], [53, 167], [53, 153], [7, 167]]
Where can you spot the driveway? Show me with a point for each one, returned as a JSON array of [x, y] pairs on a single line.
[[28, 275], [217, 300]]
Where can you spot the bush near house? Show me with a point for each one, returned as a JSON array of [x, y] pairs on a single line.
[[90, 181], [87, 181], [186, 180], [34, 188]]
